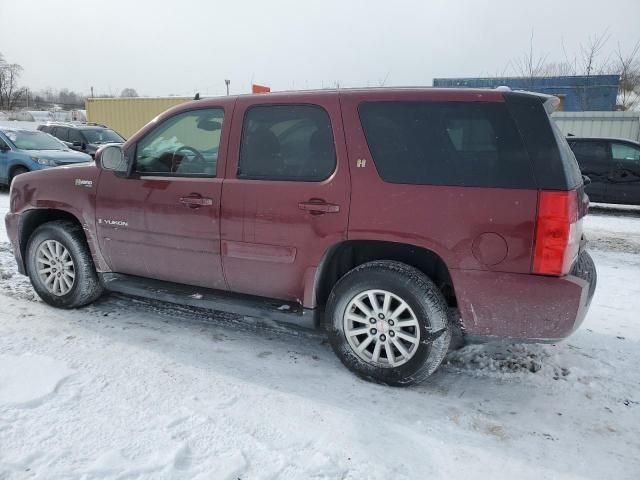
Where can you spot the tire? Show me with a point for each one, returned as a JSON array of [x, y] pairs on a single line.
[[85, 285], [426, 310], [17, 171]]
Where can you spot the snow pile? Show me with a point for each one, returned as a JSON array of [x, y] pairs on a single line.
[[504, 359], [11, 282]]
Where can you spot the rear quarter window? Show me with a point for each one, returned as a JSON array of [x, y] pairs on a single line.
[[446, 143]]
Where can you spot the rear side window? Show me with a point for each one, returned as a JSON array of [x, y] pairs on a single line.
[[287, 142], [75, 136], [554, 166], [62, 133], [446, 143], [623, 152], [590, 153]]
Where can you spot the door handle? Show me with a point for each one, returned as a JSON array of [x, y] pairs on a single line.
[[196, 202], [318, 207]]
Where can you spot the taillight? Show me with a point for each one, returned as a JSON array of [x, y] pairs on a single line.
[[558, 233]]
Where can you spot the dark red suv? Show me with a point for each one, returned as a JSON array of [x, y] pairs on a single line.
[[394, 217]]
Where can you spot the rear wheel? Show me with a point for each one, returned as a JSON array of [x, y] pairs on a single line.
[[60, 266], [387, 322]]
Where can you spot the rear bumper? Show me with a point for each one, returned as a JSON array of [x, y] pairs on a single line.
[[525, 307], [12, 223]]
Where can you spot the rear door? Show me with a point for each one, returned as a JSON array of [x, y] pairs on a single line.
[[163, 222], [62, 134], [595, 162], [285, 199], [624, 184]]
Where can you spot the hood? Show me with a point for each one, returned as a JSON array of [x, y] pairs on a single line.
[[61, 157]]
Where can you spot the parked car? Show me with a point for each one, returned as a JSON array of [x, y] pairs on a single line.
[[393, 217], [24, 151], [612, 165], [83, 137]]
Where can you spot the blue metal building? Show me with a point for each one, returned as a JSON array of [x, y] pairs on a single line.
[[577, 93]]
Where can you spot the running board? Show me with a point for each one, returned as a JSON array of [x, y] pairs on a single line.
[[246, 305]]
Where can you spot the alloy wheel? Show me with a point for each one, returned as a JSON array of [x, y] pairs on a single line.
[[381, 328], [55, 267]]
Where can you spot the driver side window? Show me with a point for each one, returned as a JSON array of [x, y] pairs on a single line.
[[624, 152], [184, 145]]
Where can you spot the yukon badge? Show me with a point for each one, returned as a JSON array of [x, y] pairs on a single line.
[[113, 223], [84, 183]]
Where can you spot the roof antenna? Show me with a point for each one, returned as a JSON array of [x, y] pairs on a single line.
[[197, 97]]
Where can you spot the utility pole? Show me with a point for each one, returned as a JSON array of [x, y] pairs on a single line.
[[91, 92], [227, 82]]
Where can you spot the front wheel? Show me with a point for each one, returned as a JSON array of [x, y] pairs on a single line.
[[387, 322], [60, 266], [17, 171]]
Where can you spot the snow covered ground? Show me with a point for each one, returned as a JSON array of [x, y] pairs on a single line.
[[129, 388]]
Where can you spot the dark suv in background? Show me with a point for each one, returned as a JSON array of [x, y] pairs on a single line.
[[83, 137], [612, 165]]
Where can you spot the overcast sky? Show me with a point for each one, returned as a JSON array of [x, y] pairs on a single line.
[[181, 47]]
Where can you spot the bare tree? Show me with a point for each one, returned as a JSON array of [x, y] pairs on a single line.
[[558, 69], [590, 54], [129, 92], [628, 65], [530, 66], [587, 63], [10, 91]]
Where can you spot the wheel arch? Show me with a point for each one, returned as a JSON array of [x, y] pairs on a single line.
[[346, 255], [32, 219], [14, 167]]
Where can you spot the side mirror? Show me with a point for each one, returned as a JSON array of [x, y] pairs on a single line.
[[112, 158], [77, 144], [209, 125], [586, 180]]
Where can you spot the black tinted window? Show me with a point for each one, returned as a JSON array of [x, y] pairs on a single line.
[[75, 136], [102, 135], [62, 133], [590, 153], [287, 142], [446, 143]]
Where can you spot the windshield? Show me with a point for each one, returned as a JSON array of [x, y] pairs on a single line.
[[102, 135], [35, 140]]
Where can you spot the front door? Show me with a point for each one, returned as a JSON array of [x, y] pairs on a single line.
[[625, 177], [595, 162], [76, 141], [164, 221], [285, 199]]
